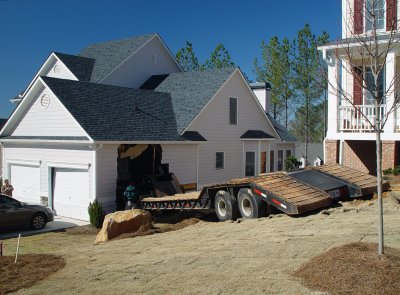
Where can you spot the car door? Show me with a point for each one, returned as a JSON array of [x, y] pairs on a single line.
[[12, 213]]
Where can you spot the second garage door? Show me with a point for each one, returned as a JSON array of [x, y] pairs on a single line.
[[71, 193]]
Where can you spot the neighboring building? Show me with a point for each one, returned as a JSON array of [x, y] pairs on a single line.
[[280, 149], [123, 109], [315, 154], [349, 140], [2, 123]]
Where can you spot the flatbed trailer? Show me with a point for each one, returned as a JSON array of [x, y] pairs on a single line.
[[293, 193]]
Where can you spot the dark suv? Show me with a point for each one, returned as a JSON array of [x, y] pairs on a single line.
[[15, 214]]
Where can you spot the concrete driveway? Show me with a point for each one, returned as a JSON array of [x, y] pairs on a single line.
[[59, 223]]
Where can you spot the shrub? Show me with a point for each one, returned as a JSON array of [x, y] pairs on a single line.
[[387, 171], [396, 171], [291, 163], [96, 214]]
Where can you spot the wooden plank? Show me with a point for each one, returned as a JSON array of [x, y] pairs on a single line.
[[177, 197]]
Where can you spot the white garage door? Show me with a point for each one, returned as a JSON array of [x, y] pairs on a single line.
[[26, 183], [71, 193]]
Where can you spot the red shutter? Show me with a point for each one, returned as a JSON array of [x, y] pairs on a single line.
[[391, 15], [357, 86], [358, 16]]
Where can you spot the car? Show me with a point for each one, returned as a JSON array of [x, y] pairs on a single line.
[[16, 214]]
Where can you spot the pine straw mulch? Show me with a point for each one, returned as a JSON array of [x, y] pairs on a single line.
[[29, 269], [353, 269]]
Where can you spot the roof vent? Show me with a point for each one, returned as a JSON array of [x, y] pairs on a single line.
[[44, 101]]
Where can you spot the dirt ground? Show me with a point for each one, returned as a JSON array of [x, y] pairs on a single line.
[[243, 257]]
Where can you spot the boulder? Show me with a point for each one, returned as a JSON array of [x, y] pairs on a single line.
[[121, 222]]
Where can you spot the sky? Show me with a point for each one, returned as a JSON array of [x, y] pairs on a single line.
[[31, 29]]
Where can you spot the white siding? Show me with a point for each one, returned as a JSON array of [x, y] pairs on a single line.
[[138, 68], [106, 170], [182, 160], [48, 156], [51, 121], [213, 124], [58, 70]]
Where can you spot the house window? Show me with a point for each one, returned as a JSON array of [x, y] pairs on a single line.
[[288, 153], [263, 165], [371, 88], [219, 160], [233, 111], [271, 161], [378, 7], [280, 160], [250, 164]]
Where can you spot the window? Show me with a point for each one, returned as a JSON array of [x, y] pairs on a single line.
[[378, 7], [250, 164], [233, 111], [263, 165], [271, 161], [288, 153], [219, 160], [370, 84], [280, 160]]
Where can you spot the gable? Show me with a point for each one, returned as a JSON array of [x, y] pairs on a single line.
[[151, 59], [57, 69], [213, 120], [51, 121]]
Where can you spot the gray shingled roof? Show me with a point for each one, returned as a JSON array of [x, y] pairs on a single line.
[[111, 113], [109, 55], [283, 133], [191, 91], [81, 67]]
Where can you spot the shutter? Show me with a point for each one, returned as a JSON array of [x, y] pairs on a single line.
[[391, 15], [357, 86], [358, 16]]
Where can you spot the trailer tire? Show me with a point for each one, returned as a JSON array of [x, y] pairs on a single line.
[[225, 206], [250, 206]]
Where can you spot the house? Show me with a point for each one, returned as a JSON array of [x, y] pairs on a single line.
[[350, 140], [89, 123], [315, 154], [2, 123]]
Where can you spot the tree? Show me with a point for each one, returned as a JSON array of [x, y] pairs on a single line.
[[219, 58], [277, 70], [187, 59], [308, 81], [314, 117], [366, 54]]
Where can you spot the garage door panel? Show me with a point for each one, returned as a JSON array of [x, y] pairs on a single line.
[[71, 193], [26, 183]]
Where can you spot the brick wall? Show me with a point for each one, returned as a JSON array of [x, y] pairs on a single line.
[[331, 151], [388, 154]]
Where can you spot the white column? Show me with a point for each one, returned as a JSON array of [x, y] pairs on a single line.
[[333, 98], [390, 68]]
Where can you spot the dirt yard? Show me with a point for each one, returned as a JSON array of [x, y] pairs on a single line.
[[243, 257]]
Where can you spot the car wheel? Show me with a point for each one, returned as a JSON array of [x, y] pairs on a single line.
[[249, 205], [38, 221], [225, 206]]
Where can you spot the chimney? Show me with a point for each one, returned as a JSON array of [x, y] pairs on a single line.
[[262, 91]]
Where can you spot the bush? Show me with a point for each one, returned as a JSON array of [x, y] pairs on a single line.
[[96, 214], [396, 171], [291, 163], [387, 171]]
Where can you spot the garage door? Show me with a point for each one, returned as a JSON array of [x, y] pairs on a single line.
[[26, 183], [71, 193]]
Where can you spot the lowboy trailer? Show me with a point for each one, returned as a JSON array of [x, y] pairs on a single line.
[[293, 193]]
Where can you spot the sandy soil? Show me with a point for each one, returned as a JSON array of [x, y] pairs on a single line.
[[244, 257]]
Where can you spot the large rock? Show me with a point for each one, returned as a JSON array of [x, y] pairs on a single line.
[[121, 222]]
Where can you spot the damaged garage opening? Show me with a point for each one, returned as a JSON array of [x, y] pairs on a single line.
[[141, 165]]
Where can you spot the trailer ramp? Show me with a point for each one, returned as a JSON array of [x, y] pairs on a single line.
[[360, 184], [288, 194]]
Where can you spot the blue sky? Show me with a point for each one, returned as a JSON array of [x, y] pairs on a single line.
[[31, 29]]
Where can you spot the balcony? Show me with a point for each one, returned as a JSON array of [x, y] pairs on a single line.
[[359, 118]]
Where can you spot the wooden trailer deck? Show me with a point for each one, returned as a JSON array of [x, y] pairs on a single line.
[[363, 182]]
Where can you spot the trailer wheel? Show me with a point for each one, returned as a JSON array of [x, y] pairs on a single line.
[[225, 206], [249, 205]]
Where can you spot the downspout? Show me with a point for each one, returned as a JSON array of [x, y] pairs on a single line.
[[96, 148]]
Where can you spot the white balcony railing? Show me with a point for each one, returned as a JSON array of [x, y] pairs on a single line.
[[358, 118]]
